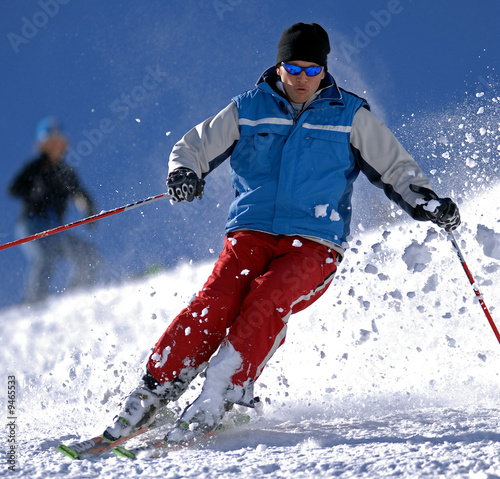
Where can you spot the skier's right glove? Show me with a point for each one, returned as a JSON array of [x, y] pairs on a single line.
[[442, 211], [184, 185]]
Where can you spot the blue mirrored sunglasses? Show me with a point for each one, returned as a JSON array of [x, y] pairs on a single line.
[[296, 70]]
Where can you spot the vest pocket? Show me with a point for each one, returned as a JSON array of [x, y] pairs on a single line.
[[257, 154], [313, 136]]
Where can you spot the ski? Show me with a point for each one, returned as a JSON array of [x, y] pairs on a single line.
[[155, 449], [99, 445], [95, 447]]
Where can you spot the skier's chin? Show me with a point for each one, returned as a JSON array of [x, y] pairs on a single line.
[[301, 96]]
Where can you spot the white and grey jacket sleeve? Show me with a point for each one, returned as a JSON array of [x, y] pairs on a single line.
[[384, 160], [208, 144]]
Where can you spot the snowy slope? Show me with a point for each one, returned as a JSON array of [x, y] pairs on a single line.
[[393, 372]]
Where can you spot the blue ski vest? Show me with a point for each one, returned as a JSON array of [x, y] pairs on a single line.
[[294, 176]]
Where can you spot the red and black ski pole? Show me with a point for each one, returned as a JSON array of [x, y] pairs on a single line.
[[474, 285], [84, 221]]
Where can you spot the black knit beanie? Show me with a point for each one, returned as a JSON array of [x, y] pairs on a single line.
[[304, 42]]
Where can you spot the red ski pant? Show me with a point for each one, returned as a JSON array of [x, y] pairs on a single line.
[[258, 281]]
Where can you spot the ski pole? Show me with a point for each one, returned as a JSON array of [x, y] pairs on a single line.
[[83, 221], [474, 285]]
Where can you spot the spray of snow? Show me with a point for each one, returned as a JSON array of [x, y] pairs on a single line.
[[398, 347], [368, 348]]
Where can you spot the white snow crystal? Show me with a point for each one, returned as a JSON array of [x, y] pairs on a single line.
[[371, 269], [233, 241], [161, 360], [469, 138], [187, 332], [481, 110], [489, 240], [432, 205], [320, 211], [204, 312], [446, 155], [245, 272], [431, 283], [296, 243], [416, 257], [480, 94], [334, 216], [470, 163]]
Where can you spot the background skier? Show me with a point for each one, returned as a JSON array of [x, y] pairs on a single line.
[[45, 186], [297, 142]]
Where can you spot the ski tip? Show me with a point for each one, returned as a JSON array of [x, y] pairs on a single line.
[[68, 452], [123, 453]]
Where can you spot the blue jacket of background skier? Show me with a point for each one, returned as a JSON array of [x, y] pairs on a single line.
[[294, 175]]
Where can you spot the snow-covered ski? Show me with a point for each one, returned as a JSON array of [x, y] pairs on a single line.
[[157, 448], [99, 445]]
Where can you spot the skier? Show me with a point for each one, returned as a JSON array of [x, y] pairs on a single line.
[[297, 142], [45, 186]]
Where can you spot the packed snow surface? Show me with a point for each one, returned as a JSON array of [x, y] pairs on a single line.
[[393, 372]]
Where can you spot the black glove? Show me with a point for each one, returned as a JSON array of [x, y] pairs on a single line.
[[184, 185], [442, 211]]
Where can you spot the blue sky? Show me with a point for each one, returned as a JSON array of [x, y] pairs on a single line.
[[129, 79]]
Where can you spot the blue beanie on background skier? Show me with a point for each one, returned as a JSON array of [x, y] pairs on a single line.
[[47, 127]]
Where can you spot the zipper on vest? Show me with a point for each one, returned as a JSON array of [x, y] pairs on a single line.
[[289, 110]]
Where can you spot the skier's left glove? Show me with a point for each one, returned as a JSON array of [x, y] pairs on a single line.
[[442, 211], [184, 185]]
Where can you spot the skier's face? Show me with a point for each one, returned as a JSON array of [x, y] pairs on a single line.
[[54, 147], [299, 88]]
